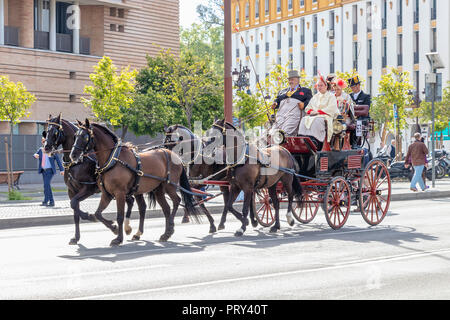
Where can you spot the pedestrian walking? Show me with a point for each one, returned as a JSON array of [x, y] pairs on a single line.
[[48, 169], [416, 156]]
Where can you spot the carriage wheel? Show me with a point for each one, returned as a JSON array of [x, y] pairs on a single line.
[[375, 192], [265, 212], [337, 203], [305, 212]]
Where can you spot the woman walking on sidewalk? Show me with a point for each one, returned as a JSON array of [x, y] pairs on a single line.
[[47, 168], [417, 153]]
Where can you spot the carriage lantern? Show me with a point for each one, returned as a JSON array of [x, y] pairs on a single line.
[[241, 78]]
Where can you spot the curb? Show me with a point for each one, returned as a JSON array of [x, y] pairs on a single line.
[[28, 222]]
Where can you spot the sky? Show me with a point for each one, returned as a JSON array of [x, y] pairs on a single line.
[[188, 13]]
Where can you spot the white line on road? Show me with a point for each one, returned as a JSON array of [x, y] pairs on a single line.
[[270, 275]]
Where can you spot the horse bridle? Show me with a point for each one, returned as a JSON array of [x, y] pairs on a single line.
[[60, 134], [90, 140]]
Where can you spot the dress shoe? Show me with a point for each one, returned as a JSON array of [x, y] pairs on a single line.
[[51, 204], [43, 204]]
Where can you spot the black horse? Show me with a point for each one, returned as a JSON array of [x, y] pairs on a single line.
[[80, 178]]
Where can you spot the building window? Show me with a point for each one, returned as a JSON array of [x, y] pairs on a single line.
[[121, 28], [42, 15], [267, 46], [332, 68], [257, 9], [302, 31], [112, 12], [433, 10], [279, 36], [290, 4], [291, 61], [315, 28], [384, 52], [302, 60], [416, 47], [72, 75], [291, 33], [237, 53], [72, 98], [433, 40], [400, 50], [247, 9], [121, 13], [416, 11], [384, 18], [302, 3], [266, 7], [355, 19], [278, 5], [332, 20], [257, 49], [112, 27], [369, 16], [237, 14], [400, 13], [369, 85], [369, 54], [355, 55]]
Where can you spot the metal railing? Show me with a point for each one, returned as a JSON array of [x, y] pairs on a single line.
[[41, 40], [64, 42]]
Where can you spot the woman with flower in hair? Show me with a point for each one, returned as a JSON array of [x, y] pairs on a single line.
[[344, 101], [322, 107]]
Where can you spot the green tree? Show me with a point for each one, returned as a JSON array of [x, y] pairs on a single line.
[[204, 42], [249, 109], [394, 89], [211, 14], [15, 101], [111, 95], [442, 112]]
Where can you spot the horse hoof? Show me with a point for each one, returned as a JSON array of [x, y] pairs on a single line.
[[136, 238], [273, 230], [73, 242], [239, 233], [92, 218], [212, 230], [115, 243], [185, 220], [164, 238], [254, 223], [128, 231], [221, 226]]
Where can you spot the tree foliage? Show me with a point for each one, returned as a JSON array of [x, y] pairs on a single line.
[[211, 14], [15, 100], [111, 93]]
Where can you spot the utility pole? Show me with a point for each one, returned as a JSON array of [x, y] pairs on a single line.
[[228, 85]]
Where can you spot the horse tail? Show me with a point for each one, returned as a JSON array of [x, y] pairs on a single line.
[[188, 198], [151, 199]]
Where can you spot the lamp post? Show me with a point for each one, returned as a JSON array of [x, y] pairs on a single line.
[[241, 78], [431, 78]]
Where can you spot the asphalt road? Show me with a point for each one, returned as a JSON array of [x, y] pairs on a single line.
[[405, 257]]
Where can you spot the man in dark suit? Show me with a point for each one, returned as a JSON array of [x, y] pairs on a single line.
[[359, 98], [357, 95], [48, 169]]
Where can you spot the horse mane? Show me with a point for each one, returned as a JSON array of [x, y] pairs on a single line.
[[107, 131], [70, 124]]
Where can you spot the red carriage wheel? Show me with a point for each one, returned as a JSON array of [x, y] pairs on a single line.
[[337, 203], [265, 212], [306, 211], [375, 192]]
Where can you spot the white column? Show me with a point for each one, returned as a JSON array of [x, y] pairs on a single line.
[[2, 22], [76, 30], [53, 25]]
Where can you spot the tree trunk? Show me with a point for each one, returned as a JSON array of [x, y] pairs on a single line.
[[124, 131]]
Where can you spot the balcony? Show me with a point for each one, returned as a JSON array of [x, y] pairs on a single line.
[[11, 36]]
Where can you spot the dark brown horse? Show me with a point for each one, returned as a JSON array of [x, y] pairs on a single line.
[[123, 172], [80, 178], [201, 165], [260, 168]]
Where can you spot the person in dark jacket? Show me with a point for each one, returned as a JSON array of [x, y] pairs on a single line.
[[48, 169], [358, 96], [417, 153]]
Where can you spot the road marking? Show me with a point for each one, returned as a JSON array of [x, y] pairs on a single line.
[[103, 272], [270, 275]]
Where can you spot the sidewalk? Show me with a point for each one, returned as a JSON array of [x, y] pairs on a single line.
[[28, 213]]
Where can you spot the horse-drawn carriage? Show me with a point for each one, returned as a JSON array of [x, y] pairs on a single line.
[[336, 177]]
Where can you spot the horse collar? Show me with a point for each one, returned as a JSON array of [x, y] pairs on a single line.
[[112, 160]]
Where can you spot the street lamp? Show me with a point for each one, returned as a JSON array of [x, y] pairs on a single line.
[[431, 78], [241, 78]]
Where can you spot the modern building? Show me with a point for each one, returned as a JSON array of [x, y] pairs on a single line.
[[329, 35], [41, 46]]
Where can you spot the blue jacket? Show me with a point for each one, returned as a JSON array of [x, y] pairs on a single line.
[[52, 162]]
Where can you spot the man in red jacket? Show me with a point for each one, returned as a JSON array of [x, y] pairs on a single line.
[[417, 154]]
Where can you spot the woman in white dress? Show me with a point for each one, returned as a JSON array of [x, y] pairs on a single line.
[[344, 101], [322, 106]]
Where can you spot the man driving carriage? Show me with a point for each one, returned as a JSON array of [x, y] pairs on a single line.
[[291, 103]]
